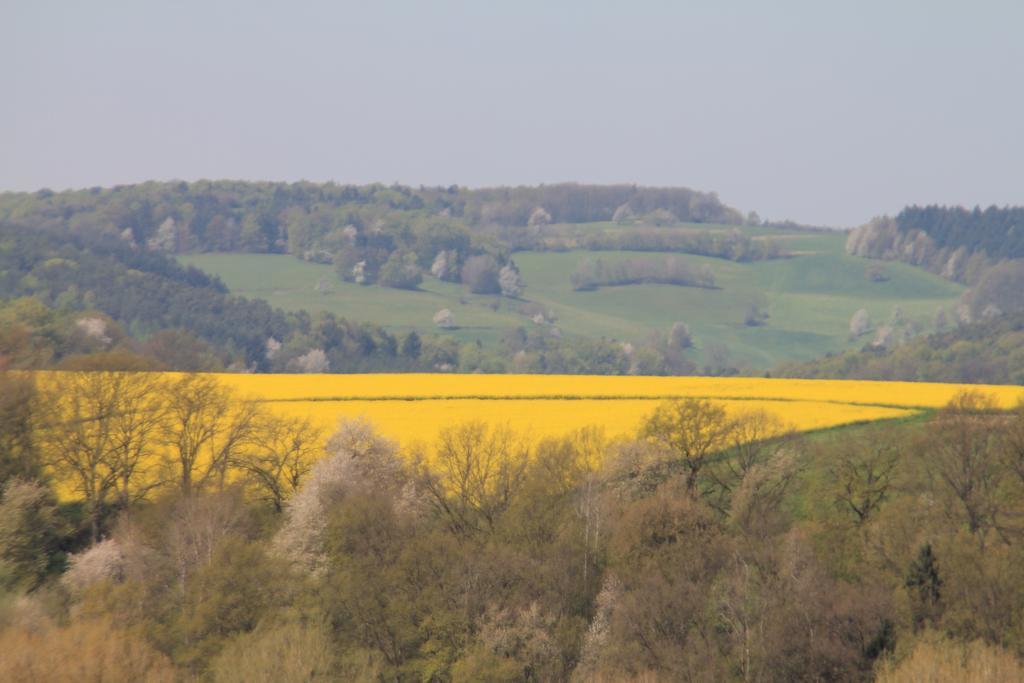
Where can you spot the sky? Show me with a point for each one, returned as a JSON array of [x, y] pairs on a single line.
[[818, 111]]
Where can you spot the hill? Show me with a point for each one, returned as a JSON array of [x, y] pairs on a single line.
[[305, 217], [991, 352], [809, 297], [561, 278], [67, 295]]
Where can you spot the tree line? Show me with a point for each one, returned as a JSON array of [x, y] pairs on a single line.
[[314, 221], [261, 216], [591, 274], [709, 545], [391, 236], [731, 245]]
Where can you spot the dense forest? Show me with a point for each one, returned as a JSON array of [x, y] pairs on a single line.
[[958, 243], [211, 541]]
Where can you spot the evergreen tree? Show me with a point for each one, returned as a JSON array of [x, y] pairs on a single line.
[[925, 586], [412, 345]]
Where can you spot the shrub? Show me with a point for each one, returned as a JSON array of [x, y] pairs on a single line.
[[84, 651], [942, 659]]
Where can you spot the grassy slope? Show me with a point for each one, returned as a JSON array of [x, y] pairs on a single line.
[[811, 298]]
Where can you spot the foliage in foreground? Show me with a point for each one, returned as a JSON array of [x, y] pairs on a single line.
[[711, 546]]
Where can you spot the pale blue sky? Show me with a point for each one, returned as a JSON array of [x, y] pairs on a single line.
[[819, 111]]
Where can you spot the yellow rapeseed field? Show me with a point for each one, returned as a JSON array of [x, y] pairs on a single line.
[[412, 407], [896, 394], [419, 421]]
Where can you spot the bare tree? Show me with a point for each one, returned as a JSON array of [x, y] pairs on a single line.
[[589, 446], [476, 472], [206, 430], [571, 466], [282, 453], [1013, 441], [755, 438], [689, 430], [99, 430], [863, 474], [197, 526], [136, 433], [623, 213], [963, 458]]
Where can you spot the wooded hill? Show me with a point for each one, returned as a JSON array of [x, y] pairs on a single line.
[[513, 270], [67, 294], [958, 243], [990, 351], [296, 217]]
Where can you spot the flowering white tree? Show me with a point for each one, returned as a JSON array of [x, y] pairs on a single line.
[[623, 214], [860, 323], [445, 265], [540, 216], [94, 328], [350, 233], [165, 238], [103, 561], [444, 319], [312, 362], [273, 348], [510, 281], [359, 273], [357, 460]]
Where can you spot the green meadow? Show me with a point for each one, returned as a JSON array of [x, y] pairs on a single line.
[[809, 297]]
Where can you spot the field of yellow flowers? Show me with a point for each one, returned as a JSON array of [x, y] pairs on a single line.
[[413, 407]]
